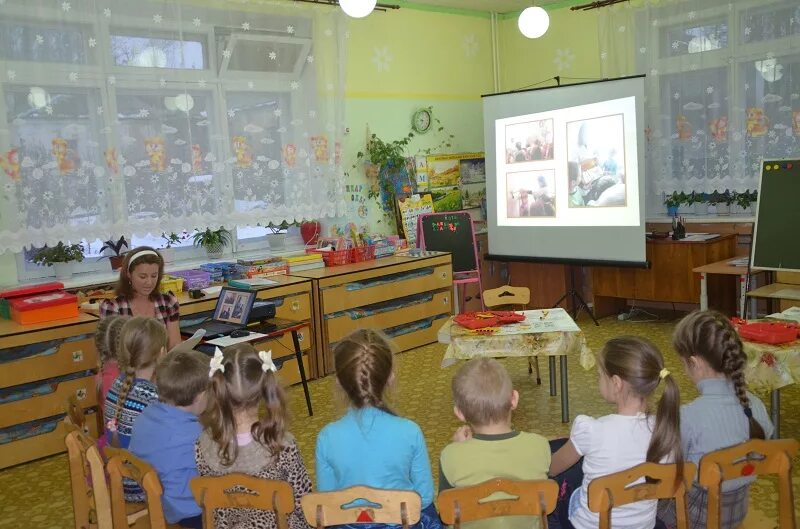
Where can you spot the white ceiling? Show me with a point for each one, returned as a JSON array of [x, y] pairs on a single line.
[[499, 6]]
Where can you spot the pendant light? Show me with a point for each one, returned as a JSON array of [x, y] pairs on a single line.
[[357, 8], [533, 22]]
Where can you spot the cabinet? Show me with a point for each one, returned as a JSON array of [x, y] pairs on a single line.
[[408, 298]]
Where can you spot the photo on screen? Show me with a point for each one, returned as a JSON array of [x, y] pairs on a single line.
[[233, 307], [531, 194], [596, 162], [529, 142]]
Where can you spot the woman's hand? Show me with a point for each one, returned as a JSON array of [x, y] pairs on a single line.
[[464, 433]]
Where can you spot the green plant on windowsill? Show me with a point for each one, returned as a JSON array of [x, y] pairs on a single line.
[[60, 253], [173, 239], [675, 199], [282, 227], [214, 241]]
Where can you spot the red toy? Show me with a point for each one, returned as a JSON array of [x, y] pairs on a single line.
[[774, 333], [488, 318]]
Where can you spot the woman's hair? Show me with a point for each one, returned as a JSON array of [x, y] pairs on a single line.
[[363, 363], [106, 337], [711, 336], [141, 341], [135, 257], [243, 384], [639, 363]]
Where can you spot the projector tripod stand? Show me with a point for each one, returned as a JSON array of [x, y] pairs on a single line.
[[578, 302]]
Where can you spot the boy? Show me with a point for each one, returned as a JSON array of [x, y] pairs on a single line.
[[488, 447], [165, 433]]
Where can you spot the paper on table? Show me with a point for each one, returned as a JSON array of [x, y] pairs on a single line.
[[700, 236], [188, 344], [210, 291], [225, 341], [790, 314], [741, 261]]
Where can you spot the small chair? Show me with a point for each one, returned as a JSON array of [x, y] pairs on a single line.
[[241, 491], [509, 297], [122, 464], [362, 505], [91, 502], [616, 490], [756, 457], [75, 419], [528, 498]]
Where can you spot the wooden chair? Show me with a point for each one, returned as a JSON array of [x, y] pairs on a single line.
[[75, 419], [362, 505], [240, 491], [511, 297], [122, 464], [91, 501], [616, 490], [521, 498], [756, 457]]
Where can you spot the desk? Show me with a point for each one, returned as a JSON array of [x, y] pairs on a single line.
[[464, 344], [724, 268], [772, 367]]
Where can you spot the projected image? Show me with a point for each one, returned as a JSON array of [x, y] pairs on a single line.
[[529, 142], [596, 166], [531, 194]]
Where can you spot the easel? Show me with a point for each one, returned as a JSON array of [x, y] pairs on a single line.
[[461, 278]]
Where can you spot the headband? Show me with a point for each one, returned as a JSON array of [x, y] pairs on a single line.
[[140, 253]]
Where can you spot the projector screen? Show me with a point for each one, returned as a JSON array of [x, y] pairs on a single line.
[[563, 173]]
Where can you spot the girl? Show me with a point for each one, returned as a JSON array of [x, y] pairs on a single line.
[[236, 439], [631, 369], [371, 445], [142, 341], [106, 340], [725, 413]]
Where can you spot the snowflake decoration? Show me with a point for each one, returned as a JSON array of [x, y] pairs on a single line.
[[621, 29], [329, 32], [66, 6], [39, 39], [246, 26], [100, 110], [157, 18], [250, 84], [294, 85], [312, 113], [692, 15], [747, 31], [273, 56], [277, 112], [310, 59], [290, 30], [676, 96], [107, 13], [112, 80], [202, 83], [11, 75], [654, 71], [347, 34], [382, 59], [675, 44], [143, 113], [710, 90], [642, 50], [603, 55], [73, 76], [563, 59], [196, 22], [655, 22], [162, 82], [746, 87], [92, 42], [470, 45], [226, 53]]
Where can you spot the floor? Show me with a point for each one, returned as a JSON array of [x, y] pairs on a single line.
[[37, 494]]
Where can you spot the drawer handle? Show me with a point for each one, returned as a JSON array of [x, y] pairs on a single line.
[[81, 394], [295, 306], [445, 300], [444, 274], [77, 356], [300, 336]]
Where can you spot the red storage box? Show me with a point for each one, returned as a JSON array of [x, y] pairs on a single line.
[[771, 333], [44, 307], [26, 290]]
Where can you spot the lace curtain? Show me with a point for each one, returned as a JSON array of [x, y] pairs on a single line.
[[126, 117], [723, 87]]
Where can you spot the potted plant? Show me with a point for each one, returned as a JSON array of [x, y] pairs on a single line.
[[214, 241], [277, 236], [744, 200], [167, 251], [113, 250], [726, 198], [673, 202], [61, 256]]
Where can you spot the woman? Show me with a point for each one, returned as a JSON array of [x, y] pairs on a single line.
[[138, 293]]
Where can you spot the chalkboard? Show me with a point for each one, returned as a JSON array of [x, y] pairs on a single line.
[[778, 218], [451, 232]]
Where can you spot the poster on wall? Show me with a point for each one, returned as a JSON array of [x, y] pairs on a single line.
[[472, 169], [421, 171], [410, 208]]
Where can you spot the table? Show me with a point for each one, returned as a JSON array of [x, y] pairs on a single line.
[[527, 338], [724, 268], [772, 367]]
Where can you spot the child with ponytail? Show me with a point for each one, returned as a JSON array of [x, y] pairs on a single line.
[[631, 369], [725, 413], [142, 341], [372, 445], [237, 439]]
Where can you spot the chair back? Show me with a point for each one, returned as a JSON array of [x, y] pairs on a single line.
[[75, 418], [241, 491], [507, 295], [123, 464], [91, 502], [756, 457], [660, 482], [358, 505], [519, 498]]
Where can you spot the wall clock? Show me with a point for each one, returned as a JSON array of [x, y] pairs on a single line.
[[422, 120]]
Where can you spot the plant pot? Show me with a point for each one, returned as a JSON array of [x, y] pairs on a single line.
[[215, 251], [672, 211], [168, 255], [116, 261], [723, 210], [700, 208], [63, 270], [277, 241]]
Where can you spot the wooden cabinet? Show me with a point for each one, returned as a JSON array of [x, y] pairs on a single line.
[[41, 366], [409, 298]]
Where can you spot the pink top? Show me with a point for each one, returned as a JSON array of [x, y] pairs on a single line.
[[244, 439], [106, 378]]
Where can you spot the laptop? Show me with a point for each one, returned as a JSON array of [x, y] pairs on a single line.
[[231, 313]]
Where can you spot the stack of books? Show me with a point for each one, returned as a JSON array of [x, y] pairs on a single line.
[[309, 261], [262, 267]]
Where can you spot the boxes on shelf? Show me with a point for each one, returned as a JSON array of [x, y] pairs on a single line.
[[39, 308], [222, 271], [272, 268], [171, 284], [9, 294], [193, 279], [308, 261]]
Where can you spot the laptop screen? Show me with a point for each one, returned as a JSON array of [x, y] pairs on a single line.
[[233, 306]]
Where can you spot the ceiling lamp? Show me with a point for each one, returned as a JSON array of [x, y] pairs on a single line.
[[533, 22], [357, 8]]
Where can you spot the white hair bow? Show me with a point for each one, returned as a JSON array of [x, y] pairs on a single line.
[[266, 361], [216, 363]]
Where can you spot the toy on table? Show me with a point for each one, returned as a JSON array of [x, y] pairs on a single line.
[[488, 318], [767, 332], [678, 228]]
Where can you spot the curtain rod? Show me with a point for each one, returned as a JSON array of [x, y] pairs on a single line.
[[378, 7], [596, 5]]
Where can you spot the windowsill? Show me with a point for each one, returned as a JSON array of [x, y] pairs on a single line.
[[707, 219]]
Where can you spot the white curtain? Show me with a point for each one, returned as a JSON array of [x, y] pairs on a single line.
[[723, 87], [135, 117]]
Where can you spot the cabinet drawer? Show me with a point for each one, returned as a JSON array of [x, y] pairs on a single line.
[[297, 308], [69, 357], [412, 340], [289, 372], [42, 445], [284, 346], [341, 326], [379, 289], [38, 407]]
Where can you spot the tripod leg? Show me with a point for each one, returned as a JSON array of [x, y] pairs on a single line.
[[583, 305]]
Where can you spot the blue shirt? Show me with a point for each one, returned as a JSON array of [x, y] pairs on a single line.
[[374, 448], [164, 436], [716, 420]]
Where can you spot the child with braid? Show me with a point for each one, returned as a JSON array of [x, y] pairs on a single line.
[[725, 413], [106, 339]]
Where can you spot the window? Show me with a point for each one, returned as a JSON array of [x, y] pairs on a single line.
[[187, 53], [22, 40], [686, 40], [93, 261]]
